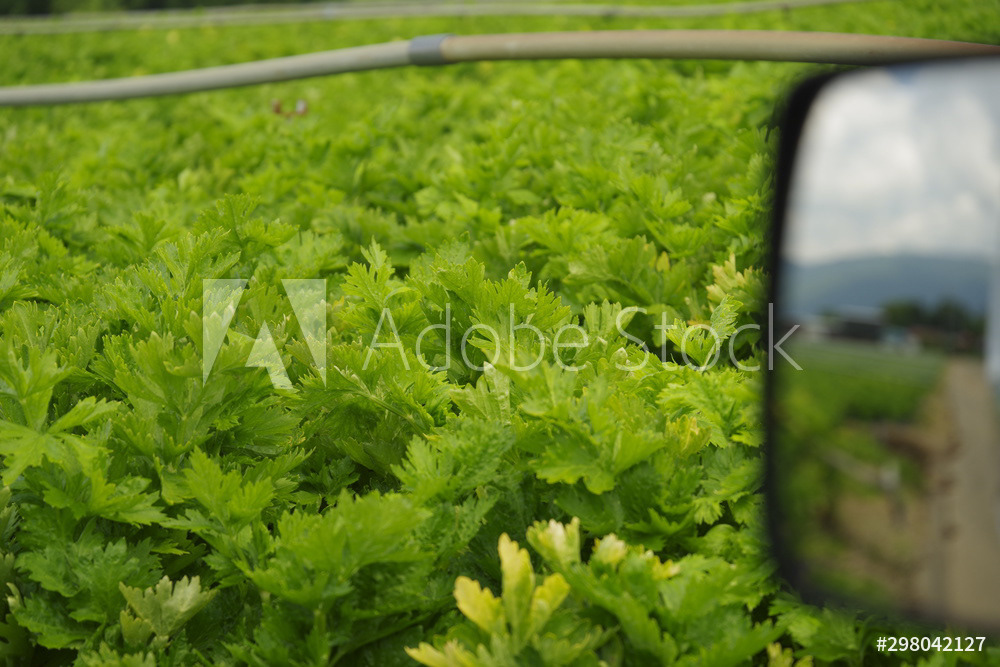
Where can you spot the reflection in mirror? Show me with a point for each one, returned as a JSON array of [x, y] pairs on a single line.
[[886, 443]]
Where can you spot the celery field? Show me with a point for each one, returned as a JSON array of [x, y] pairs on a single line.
[[517, 496]]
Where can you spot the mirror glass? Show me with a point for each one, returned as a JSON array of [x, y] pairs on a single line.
[[886, 437]]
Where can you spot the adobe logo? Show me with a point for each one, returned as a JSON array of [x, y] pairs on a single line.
[[220, 298]]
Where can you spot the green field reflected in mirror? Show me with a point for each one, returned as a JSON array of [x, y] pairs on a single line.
[[887, 441]]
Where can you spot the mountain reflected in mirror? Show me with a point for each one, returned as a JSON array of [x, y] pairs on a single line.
[[887, 441]]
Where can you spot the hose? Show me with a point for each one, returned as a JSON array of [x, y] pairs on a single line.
[[806, 47]]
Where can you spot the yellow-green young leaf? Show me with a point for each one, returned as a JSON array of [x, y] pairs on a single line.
[[479, 606], [609, 550], [783, 657], [135, 631], [556, 542], [545, 600], [169, 605], [453, 656], [518, 586]]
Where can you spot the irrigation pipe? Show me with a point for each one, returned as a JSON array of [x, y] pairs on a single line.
[[806, 47], [250, 14]]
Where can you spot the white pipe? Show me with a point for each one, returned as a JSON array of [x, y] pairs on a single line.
[[355, 59], [809, 47], [251, 15], [805, 47]]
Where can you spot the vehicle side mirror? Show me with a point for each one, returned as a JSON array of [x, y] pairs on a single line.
[[883, 423]]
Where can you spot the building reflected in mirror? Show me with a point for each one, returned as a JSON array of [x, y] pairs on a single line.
[[888, 440]]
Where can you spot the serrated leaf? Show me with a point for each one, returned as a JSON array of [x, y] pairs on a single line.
[[169, 605]]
